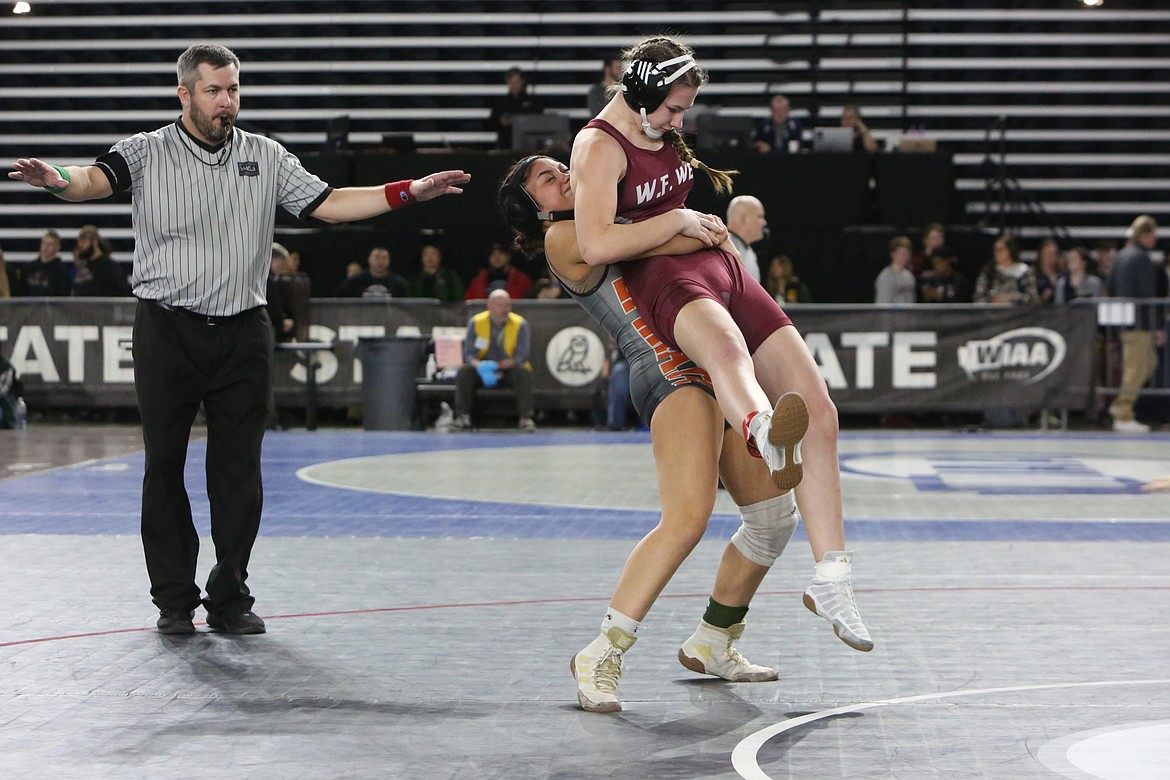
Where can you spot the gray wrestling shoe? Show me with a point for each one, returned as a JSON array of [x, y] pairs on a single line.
[[830, 595]]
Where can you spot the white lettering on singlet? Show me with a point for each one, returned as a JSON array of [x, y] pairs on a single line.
[[657, 188]]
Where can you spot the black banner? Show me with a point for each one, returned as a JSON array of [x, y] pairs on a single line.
[[952, 357], [874, 358]]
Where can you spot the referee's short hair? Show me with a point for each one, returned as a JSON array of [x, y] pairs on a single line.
[[187, 68]]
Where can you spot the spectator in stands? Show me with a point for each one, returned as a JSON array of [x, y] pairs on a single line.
[[1049, 267], [293, 263], [599, 94], [747, 224], [495, 352], [617, 390], [435, 280], [784, 285], [1135, 275], [352, 269], [505, 109], [377, 281], [778, 132], [279, 312], [863, 140], [5, 283], [934, 235], [97, 274], [546, 289], [1104, 254], [895, 283], [1079, 281], [49, 275], [499, 275], [944, 282], [1005, 279]]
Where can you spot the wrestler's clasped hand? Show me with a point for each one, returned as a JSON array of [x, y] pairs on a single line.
[[705, 227]]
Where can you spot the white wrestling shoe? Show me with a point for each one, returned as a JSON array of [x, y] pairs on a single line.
[[779, 438], [711, 650], [598, 668], [830, 595]]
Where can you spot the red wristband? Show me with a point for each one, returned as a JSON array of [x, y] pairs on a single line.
[[398, 194]]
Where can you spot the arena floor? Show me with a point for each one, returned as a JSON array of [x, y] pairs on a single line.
[[424, 593]]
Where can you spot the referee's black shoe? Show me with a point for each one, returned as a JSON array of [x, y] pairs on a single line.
[[175, 621], [237, 620]]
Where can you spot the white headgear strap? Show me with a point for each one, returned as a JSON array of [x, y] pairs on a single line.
[[690, 65], [650, 131]]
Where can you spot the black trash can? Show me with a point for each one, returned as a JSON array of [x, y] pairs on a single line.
[[389, 373]]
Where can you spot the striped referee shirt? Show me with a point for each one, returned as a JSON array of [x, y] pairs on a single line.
[[204, 216]]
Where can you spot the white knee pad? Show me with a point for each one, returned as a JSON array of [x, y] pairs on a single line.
[[766, 528]]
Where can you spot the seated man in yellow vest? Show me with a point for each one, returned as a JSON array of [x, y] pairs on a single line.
[[495, 351]]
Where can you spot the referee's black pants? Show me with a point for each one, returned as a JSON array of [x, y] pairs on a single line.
[[181, 361]]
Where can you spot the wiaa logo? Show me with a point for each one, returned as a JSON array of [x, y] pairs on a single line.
[[1023, 355]]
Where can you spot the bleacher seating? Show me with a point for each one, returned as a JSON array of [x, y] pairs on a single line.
[[1073, 89]]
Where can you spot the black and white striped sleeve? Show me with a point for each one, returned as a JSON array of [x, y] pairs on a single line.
[[298, 191]]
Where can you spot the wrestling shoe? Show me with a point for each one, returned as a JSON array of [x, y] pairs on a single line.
[[779, 439], [711, 650], [830, 595], [597, 669]]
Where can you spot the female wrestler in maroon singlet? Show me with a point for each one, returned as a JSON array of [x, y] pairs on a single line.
[[629, 175]]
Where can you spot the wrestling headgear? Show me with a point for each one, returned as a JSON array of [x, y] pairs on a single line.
[[645, 86]]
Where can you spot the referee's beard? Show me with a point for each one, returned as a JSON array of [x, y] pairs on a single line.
[[205, 125]]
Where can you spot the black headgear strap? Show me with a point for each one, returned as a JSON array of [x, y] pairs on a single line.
[[519, 208]]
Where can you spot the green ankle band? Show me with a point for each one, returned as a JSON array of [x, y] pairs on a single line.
[[722, 616]]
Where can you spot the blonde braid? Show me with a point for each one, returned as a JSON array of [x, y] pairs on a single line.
[[719, 178]]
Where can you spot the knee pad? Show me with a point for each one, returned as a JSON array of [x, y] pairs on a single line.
[[766, 528]]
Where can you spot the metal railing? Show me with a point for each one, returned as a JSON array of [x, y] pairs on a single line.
[[1116, 316]]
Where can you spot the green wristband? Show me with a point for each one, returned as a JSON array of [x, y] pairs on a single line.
[[65, 175]]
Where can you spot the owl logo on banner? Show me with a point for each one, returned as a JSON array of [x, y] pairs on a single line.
[[574, 356]]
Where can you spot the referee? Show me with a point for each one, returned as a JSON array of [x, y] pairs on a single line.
[[204, 195]]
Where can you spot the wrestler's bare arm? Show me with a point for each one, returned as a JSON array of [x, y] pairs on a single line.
[[602, 240], [563, 252]]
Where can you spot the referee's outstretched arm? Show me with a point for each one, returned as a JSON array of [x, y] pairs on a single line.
[[78, 183], [353, 203], [75, 183]]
